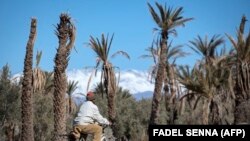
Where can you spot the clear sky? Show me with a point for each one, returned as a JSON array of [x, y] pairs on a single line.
[[129, 20]]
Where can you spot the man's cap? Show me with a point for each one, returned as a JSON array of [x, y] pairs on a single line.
[[90, 96]]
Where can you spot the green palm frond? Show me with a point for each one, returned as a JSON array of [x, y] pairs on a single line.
[[174, 52], [206, 47], [162, 11], [195, 80], [109, 44], [168, 18], [155, 16]]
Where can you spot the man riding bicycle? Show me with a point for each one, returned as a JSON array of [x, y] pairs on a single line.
[[86, 119]]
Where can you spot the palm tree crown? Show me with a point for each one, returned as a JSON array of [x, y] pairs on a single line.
[[168, 19]]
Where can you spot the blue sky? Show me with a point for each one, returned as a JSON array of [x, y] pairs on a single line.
[[129, 20]]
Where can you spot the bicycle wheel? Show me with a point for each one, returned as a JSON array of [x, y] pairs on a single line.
[[103, 138]]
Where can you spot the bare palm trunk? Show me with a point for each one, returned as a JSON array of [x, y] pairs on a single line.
[[27, 97], [65, 32], [160, 77]]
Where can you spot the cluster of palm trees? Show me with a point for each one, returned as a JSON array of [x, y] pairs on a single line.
[[215, 76]]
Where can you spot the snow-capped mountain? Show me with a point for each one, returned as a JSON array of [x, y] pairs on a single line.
[[133, 80], [137, 82]]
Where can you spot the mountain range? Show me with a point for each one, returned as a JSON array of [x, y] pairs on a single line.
[[137, 82]]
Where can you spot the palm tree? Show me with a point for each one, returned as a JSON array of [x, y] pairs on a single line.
[[66, 35], [72, 86], [108, 78], [167, 21], [206, 48], [208, 77], [154, 53], [27, 96], [242, 65], [173, 52]]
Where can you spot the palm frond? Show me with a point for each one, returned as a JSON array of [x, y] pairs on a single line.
[[233, 42], [72, 86], [180, 22], [90, 79], [154, 15], [110, 42], [123, 53], [38, 57], [162, 11]]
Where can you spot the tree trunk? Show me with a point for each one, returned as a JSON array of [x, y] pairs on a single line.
[[110, 88], [160, 77], [206, 111], [65, 31], [214, 115], [9, 131], [242, 93], [70, 104], [27, 97], [170, 98]]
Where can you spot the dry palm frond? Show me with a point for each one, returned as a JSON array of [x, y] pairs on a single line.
[[120, 53], [38, 75], [38, 79], [90, 79]]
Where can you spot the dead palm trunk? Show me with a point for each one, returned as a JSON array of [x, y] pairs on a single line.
[[160, 77], [27, 98], [65, 32]]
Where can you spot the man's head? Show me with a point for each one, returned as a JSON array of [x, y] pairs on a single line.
[[90, 96]]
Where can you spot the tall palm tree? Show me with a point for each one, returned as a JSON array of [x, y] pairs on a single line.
[[108, 79], [167, 20], [27, 96], [173, 52], [66, 35], [242, 65], [72, 86], [170, 82]]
